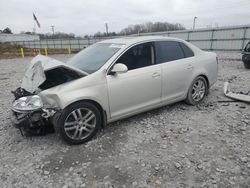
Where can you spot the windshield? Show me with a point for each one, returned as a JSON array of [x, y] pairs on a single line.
[[94, 57]]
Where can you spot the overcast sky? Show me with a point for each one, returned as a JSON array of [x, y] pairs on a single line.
[[88, 16]]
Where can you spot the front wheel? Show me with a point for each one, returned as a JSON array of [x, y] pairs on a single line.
[[197, 91], [79, 122]]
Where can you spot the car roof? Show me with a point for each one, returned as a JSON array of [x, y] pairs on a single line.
[[137, 39]]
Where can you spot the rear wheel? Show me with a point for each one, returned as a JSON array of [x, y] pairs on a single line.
[[197, 91], [246, 61], [79, 122]]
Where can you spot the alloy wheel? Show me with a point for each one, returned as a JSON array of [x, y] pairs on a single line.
[[198, 90], [80, 123]]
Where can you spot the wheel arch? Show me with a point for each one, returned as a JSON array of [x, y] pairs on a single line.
[[190, 100], [206, 78], [197, 75]]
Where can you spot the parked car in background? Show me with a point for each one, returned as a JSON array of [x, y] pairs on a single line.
[[246, 56], [109, 81]]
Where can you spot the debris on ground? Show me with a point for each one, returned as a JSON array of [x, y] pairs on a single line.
[[235, 96]]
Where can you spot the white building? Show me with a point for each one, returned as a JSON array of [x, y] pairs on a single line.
[[18, 37]]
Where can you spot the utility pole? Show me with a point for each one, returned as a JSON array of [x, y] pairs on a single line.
[[139, 30], [53, 29], [107, 28], [34, 28], [194, 22]]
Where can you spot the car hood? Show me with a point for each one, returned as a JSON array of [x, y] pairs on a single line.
[[48, 72]]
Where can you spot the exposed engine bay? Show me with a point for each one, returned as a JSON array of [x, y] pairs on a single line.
[[28, 112], [58, 76]]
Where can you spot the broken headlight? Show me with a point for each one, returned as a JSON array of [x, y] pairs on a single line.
[[27, 103]]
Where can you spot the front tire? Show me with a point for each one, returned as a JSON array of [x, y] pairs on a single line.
[[197, 91], [79, 122]]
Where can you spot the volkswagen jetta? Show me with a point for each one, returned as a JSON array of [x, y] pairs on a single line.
[[108, 81]]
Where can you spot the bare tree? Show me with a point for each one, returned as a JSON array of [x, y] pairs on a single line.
[[151, 27], [7, 30]]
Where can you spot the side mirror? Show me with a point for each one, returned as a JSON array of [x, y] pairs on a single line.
[[119, 68]]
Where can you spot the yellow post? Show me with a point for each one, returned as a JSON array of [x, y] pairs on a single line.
[[22, 52], [69, 50], [45, 51]]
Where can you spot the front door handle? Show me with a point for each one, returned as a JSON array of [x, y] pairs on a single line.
[[156, 75]]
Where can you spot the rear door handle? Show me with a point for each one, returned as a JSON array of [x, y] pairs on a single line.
[[156, 75], [190, 67]]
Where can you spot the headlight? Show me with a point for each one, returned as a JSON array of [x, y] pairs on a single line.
[[27, 103]]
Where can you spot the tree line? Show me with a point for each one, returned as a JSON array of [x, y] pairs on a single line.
[[151, 27], [147, 27]]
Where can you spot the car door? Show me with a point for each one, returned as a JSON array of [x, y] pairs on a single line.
[[140, 87], [177, 68]]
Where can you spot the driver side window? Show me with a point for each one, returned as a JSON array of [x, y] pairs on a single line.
[[138, 56]]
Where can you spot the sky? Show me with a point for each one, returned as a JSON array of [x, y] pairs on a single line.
[[89, 16]]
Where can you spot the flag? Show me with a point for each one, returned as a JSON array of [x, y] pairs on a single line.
[[35, 18]]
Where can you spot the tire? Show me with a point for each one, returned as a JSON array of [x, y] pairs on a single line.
[[246, 61], [202, 91], [79, 123]]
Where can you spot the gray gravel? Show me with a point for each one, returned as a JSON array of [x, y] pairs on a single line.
[[174, 146]]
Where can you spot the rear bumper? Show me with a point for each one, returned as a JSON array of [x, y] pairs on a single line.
[[244, 52]]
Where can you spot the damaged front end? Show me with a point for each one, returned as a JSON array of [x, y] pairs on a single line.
[[28, 112]]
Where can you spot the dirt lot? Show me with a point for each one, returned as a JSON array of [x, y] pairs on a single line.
[[9, 51], [174, 146]]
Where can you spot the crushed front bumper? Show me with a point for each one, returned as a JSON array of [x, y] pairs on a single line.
[[36, 121], [32, 123], [28, 122], [19, 120]]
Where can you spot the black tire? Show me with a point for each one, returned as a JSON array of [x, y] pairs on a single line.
[[246, 61], [69, 112], [190, 99]]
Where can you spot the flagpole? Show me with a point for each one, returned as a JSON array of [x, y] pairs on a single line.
[[35, 23], [34, 28]]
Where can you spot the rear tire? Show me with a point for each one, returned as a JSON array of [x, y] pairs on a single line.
[[246, 61], [79, 122], [197, 91]]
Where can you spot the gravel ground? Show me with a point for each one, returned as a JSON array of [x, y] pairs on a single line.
[[174, 146]]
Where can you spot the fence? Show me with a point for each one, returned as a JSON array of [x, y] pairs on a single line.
[[225, 39], [218, 39]]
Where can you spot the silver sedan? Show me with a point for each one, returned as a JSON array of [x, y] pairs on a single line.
[[109, 81]]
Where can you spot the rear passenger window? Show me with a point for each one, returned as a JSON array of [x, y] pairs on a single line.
[[168, 51], [187, 51]]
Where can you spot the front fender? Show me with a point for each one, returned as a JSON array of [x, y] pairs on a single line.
[[97, 93]]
